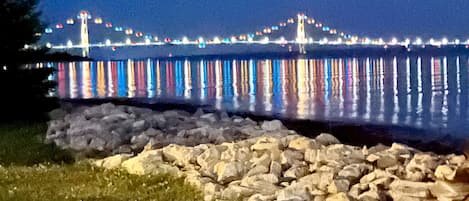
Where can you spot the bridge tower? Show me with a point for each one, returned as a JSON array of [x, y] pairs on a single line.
[[301, 34], [84, 34]]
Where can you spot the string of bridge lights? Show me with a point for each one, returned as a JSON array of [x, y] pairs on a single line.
[[342, 38]]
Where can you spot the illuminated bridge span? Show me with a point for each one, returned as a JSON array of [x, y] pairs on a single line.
[[274, 34]]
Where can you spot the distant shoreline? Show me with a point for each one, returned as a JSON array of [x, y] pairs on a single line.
[[312, 52]]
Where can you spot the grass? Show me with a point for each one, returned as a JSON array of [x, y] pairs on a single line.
[[33, 171], [83, 182], [21, 144]]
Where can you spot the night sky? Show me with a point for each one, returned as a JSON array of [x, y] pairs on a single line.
[[387, 18]]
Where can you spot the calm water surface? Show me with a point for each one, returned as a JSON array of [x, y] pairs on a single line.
[[421, 92]]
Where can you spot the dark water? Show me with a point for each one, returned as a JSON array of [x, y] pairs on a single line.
[[429, 93]]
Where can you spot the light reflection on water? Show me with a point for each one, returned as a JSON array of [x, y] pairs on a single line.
[[421, 92]]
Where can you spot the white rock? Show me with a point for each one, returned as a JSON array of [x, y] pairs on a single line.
[[401, 188], [264, 184], [293, 193], [338, 186], [338, 197], [302, 144], [311, 155], [354, 172], [275, 168], [260, 197], [371, 196], [229, 171], [296, 172], [257, 170], [386, 161], [57, 114], [423, 162], [266, 143], [139, 125], [139, 141], [327, 139], [273, 125], [263, 160], [446, 172], [450, 191], [291, 157], [180, 155], [97, 144], [235, 152], [211, 191], [145, 163], [235, 192], [113, 162], [211, 117]]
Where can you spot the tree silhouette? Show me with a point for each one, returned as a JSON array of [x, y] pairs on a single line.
[[20, 23]]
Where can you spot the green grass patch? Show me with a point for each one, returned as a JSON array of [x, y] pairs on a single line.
[[22, 144], [33, 171], [86, 183]]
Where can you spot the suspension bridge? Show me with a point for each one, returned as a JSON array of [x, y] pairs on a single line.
[[323, 35]]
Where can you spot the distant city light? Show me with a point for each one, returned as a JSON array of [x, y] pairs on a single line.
[[216, 40], [128, 41], [418, 41], [108, 42], [444, 41], [185, 40], [69, 43], [407, 41], [233, 39], [201, 40]]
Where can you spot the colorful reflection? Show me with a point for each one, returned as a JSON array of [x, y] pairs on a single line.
[[423, 92]]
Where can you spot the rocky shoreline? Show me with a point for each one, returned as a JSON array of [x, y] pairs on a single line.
[[234, 158]]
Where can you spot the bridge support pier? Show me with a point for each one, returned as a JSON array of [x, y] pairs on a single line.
[[301, 34], [84, 34]]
